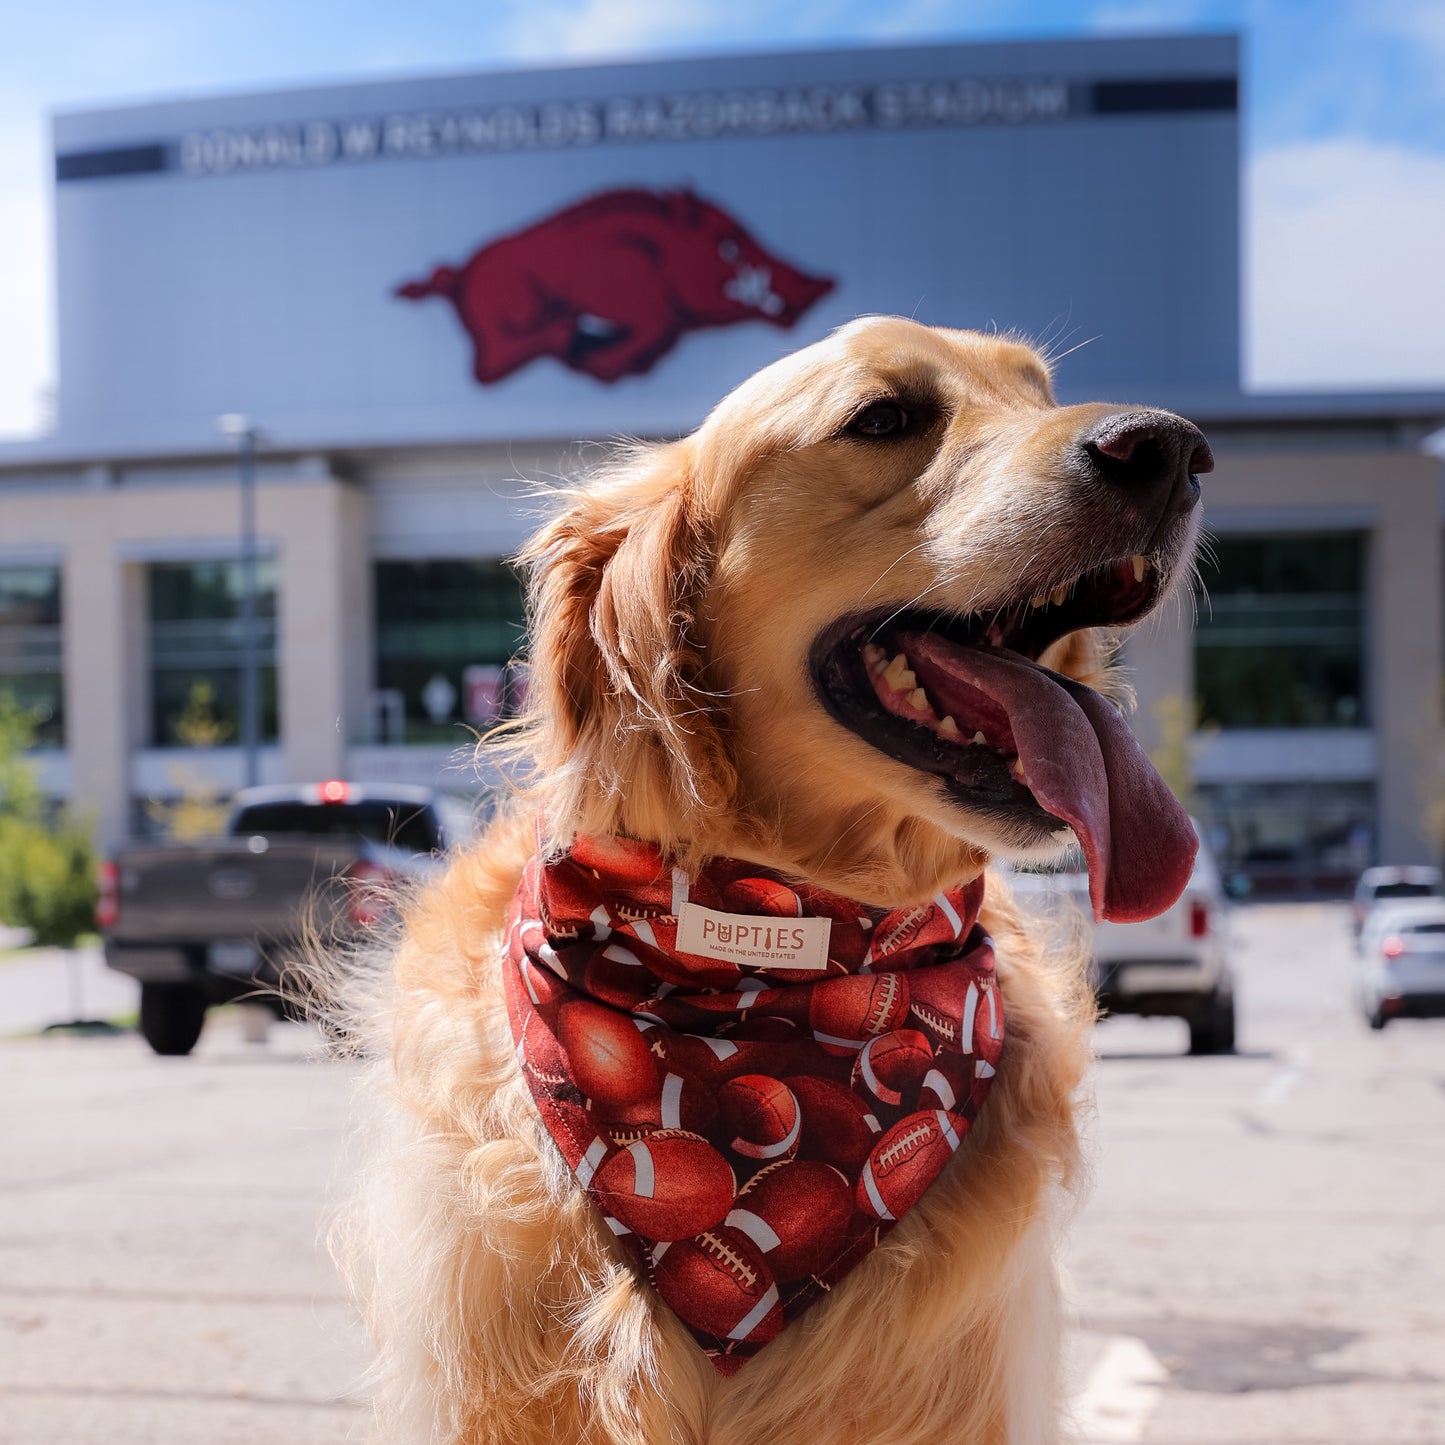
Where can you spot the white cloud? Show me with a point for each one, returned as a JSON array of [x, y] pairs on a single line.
[[606, 27], [1136, 15], [1343, 280], [1420, 22]]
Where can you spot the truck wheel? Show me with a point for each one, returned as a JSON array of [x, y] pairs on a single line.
[[1213, 1031], [171, 1016], [1378, 1019]]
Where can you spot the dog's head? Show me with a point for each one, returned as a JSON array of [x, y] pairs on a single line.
[[808, 633]]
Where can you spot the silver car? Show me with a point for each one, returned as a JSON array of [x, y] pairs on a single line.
[[1378, 886], [1401, 965]]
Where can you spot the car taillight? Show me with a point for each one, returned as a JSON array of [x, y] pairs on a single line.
[[107, 896], [1198, 919], [368, 898], [1393, 947]]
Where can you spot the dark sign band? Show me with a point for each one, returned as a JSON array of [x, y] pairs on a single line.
[[691, 116]]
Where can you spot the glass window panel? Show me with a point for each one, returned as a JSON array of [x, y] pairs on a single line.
[[446, 632], [1405, 890], [1306, 837], [390, 824], [197, 650], [30, 648], [1280, 636]]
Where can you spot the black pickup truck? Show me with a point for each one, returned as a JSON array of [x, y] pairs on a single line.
[[206, 923]]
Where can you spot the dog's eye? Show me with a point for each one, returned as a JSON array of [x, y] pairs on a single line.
[[879, 419]]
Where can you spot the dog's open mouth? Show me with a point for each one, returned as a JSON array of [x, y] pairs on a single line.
[[964, 699]]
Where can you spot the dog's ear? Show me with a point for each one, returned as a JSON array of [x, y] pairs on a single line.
[[622, 728]]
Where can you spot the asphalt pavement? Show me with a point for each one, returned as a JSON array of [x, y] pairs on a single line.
[[1266, 1232], [1261, 1260]]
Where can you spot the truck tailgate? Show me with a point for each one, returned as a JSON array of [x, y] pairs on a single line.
[[228, 888]]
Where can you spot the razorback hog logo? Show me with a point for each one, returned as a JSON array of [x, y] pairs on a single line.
[[608, 285]]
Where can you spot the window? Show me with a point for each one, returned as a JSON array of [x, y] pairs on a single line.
[[393, 825], [1280, 641], [445, 634], [30, 649], [196, 651], [1406, 890], [1308, 837]]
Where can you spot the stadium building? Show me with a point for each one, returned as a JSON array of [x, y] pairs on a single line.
[[422, 293]]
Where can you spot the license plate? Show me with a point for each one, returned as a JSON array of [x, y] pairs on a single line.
[[234, 956]]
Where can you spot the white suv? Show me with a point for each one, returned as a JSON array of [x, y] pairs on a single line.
[[1379, 886], [1401, 965], [1174, 966]]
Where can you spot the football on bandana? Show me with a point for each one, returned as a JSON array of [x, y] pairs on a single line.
[[845, 1013], [667, 1186], [543, 988], [938, 1004], [892, 1066], [609, 1058], [685, 1104], [540, 1054], [838, 1128], [905, 1161], [762, 895], [900, 929], [797, 1213], [949, 1084], [718, 1282], [762, 1114]]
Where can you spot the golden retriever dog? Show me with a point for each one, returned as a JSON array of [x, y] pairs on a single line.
[[848, 632]]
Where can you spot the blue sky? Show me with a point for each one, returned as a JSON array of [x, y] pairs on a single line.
[[1344, 129]]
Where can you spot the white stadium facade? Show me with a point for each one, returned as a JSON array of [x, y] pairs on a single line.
[[424, 293]]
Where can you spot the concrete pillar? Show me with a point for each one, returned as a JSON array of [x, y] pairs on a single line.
[[358, 585], [1158, 658], [322, 528], [98, 712], [137, 625], [1407, 614]]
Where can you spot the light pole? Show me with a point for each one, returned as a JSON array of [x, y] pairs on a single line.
[[246, 433]]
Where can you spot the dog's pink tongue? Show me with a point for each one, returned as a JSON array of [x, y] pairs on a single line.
[[1084, 766]]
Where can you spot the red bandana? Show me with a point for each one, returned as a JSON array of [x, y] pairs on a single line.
[[754, 1105]]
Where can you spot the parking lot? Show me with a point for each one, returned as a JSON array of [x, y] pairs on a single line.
[[1262, 1257]]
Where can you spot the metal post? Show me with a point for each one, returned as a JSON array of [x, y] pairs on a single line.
[[246, 434], [250, 653]]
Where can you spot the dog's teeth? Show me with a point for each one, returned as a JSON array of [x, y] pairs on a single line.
[[874, 657], [919, 699], [1059, 593], [978, 737], [995, 635], [1141, 565], [1039, 600], [1018, 768], [948, 727], [899, 676]]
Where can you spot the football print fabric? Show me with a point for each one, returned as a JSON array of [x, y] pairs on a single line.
[[748, 1130]]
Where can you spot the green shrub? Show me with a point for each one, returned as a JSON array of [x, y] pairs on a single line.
[[47, 879], [47, 861]]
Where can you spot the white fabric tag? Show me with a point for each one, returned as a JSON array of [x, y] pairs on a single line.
[[757, 942]]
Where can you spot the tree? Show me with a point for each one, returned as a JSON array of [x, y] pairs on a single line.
[[1176, 719], [197, 810], [47, 860]]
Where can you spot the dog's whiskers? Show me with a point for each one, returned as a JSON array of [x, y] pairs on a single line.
[[917, 547]]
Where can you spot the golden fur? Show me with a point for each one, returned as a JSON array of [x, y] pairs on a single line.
[[673, 601]]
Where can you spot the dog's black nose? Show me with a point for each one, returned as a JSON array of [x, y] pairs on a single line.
[[1155, 455]]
